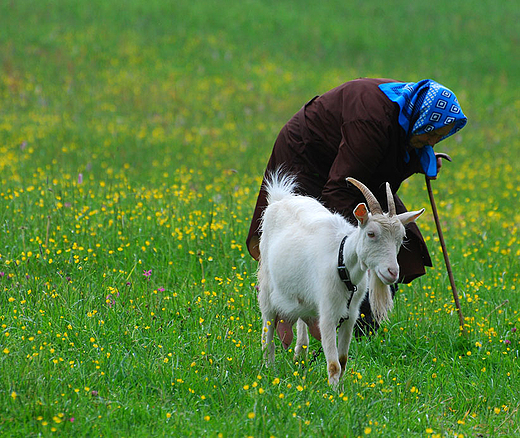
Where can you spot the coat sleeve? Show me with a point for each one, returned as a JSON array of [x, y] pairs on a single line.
[[363, 149]]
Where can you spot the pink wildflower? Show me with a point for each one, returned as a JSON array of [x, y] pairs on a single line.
[[110, 300]]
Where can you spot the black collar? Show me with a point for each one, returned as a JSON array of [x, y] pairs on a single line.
[[343, 271]]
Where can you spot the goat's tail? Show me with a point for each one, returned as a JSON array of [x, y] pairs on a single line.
[[279, 185]]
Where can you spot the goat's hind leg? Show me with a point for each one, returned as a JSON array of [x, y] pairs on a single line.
[[302, 339], [268, 314], [268, 336]]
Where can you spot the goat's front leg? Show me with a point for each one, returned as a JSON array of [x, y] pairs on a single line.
[[328, 342], [344, 339]]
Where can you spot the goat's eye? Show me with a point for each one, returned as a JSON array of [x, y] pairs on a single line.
[[371, 234]]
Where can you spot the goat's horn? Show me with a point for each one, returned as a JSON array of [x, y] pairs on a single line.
[[373, 204], [390, 199]]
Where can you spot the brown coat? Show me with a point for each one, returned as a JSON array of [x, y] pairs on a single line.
[[352, 130]]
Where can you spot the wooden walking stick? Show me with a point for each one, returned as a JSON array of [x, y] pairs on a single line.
[[443, 246]]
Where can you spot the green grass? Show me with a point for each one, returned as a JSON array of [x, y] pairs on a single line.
[[132, 142]]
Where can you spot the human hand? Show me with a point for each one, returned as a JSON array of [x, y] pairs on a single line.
[[440, 156]]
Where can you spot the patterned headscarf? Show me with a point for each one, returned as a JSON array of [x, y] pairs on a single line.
[[425, 106]]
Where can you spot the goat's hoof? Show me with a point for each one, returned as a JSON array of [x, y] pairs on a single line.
[[300, 353], [334, 373], [343, 363]]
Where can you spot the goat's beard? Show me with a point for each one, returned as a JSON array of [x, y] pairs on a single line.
[[380, 298]]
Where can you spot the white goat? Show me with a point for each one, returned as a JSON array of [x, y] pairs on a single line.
[[298, 272]]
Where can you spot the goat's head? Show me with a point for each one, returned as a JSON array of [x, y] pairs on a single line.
[[381, 234]]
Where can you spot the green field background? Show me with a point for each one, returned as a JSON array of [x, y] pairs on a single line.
[[133, 138]]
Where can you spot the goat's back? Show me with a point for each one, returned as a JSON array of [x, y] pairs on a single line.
[[288, 212]]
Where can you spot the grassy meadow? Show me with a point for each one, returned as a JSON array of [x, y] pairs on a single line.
[[133, 137]]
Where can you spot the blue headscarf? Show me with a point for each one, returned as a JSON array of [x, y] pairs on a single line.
[[425, 106]]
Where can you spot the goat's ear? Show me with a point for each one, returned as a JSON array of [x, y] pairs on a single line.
[[409, 216], [361, 213]]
